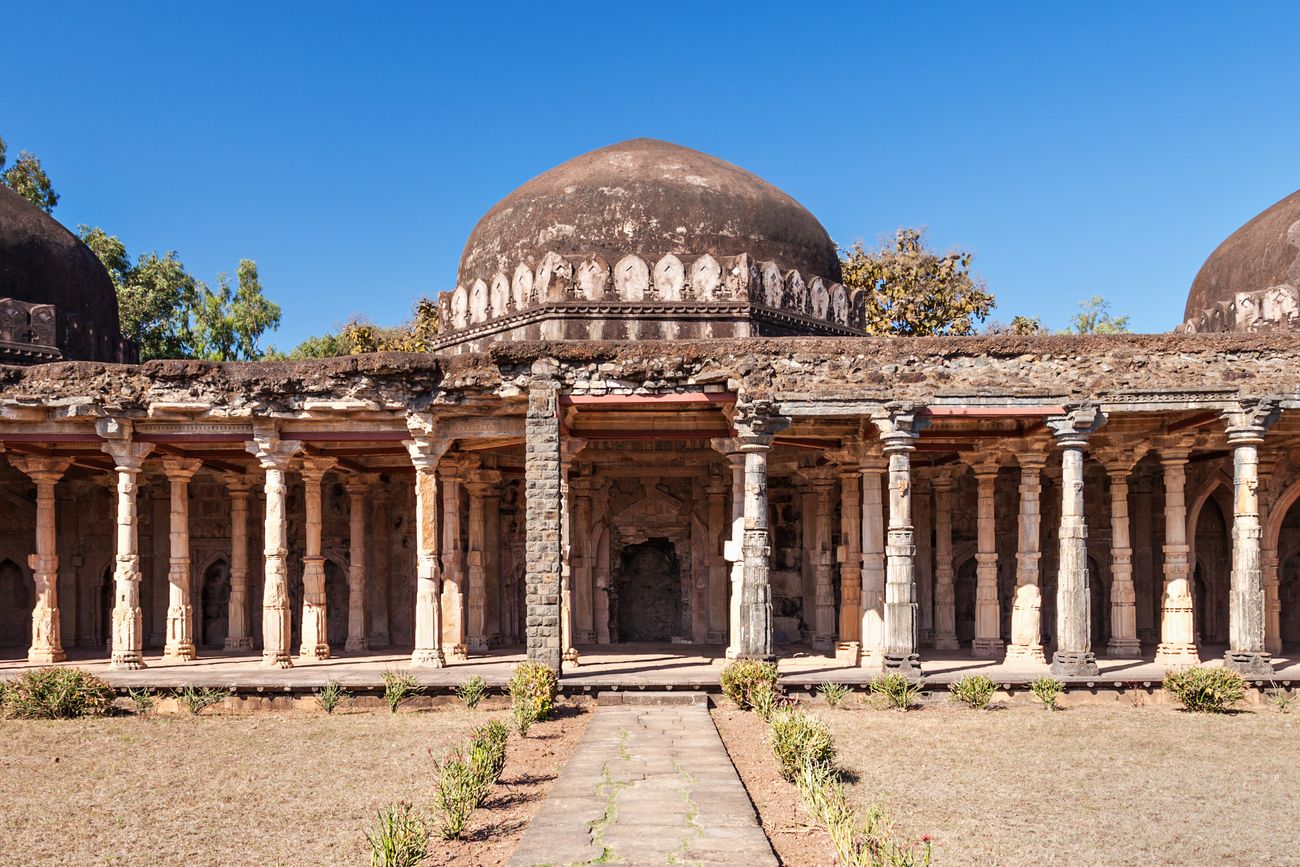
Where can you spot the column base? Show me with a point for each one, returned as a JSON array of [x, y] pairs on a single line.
[[46, 655], [1026, 653], [988, 648], [318, 652], [823, 642], [356, 645], [1074, 663], [478, 644], [732, 653], [455, 651], [1249, 663], [277, 660], [1125, 648], [848, 652], [584, 636], [1177, 655], [908, 665], [712, 637], [428, 659], [238, 644], [870, 657], [946, 642], [126, 662], [180, 652], [571, 656]]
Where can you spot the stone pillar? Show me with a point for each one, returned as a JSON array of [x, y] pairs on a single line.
[[180, 611], [756, 424], [315, 637], [582, 590], [1269, 560], [988, 610], [945, 598], [1073, 656], [275, 455], [542, 495], [1143, 561], [454, 644], [47, 641], [1177, 647], [426, 451], [872, 629], [1246, 652], [1123, 595], [731, 548], [923, 518], [807, 499], [128, 457], [717, 565], [850, 557], [380, 582], [357, 488], [238, 633], [479, 485], [492, 554], [823, 572], [1026, 608], [898, 432], [569, 449]]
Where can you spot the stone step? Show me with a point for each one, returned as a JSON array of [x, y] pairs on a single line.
[[653, 698]]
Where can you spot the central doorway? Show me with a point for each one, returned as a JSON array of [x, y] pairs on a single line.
[[649, 589]]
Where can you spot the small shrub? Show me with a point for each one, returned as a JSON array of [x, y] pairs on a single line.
[[533, 688], [1208, 690], [195, 699], [56, 693], [798, 739], [472, 691], [973, 690], [742, 676], [860, 839], [143, 700], [455, 795], [1281, 699], [1047, 690], [766, 699], [834, 694], [896, 690], [331, 695], [397, 838], [487, 756], [398, 687]]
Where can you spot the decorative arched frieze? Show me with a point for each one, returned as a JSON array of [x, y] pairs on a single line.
[[593, 279], [706, 278], [669, 278], [631, 278]]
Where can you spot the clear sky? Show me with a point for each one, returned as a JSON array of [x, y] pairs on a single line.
[[1100, 150]]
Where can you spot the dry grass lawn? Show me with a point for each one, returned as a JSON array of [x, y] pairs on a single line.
[[1089, 785], [260, 789]]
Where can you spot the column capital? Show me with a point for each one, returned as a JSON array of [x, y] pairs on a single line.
[[41, 469], [569, 448], [757, 422], [1174, 451], [272, 453], [426, 451], [725, 446], [1073, 429], [899, 425], [314, 468], [985, 464], [359, 484], [179, 469], [238, 484], [1118, 462], [128, 456], [1249, 419]]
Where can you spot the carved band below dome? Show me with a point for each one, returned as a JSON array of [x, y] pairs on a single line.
[[584, 298], [1274, 309]]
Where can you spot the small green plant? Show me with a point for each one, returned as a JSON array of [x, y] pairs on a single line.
[[766, 699], [398, 687], [533, 688], [330, 696], [834, 694], [742, 676], [195, 699], [143, 700], [860, 839], [56, 693], [896, 690], [798, 739], [397, 837], [973, 690], [1281, 699], [455, 795], [487, 756], [1206, 690], [472, 691], [1047, 690]]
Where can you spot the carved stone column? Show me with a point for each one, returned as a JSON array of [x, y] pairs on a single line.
[[850, 557], [454, 645], [275, 455], [180, 611], [380, 581], [315, 616], [1073, 656], [872, 628], [1246, 652], [426, 451], [582, 590], [357, 489], [128, 457], [1269, 560], [1177, 647], [945, 598], [1143, 560], [1123, 596], [47, 641], [923, 519], [543, 502], [731, 548], [492, 553], [238, 633], [1026, 608], [898, 431], [756, 424], [716, 489], [568, 452], [988, 610], [824, 621], [480, 484]]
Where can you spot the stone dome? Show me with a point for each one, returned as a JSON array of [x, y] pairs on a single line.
[[54, 293], [1251, 282], [648, 198]]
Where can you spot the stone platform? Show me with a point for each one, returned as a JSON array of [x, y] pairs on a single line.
[[622, 666]]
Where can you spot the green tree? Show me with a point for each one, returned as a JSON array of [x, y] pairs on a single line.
[[228, 323], [358, 335], [1094, 317], [27, 178], [912, 290]]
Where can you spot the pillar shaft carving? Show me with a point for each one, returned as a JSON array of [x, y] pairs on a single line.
[[988, 610], [180, 611], [756, 423], [568, 452], [1123, 594], [1177, 647], [238, 633], [315, 614], [275, 457], [481, 483], [850, 556], [718, 529], [823, 566], [357, 489], [898, 432], [47, 641], [732, 546], [1026, 607], [1073, 656], [872, 620], [945, 598], [128, 458], [426, 451]]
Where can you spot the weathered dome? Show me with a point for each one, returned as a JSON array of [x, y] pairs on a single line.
[[59, 294], [648, 198], [1252, 280]]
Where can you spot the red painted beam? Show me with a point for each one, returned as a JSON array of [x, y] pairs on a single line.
[[991, 411], [695, 397]]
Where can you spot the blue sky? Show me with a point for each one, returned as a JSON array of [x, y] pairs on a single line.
[[1103, 149]]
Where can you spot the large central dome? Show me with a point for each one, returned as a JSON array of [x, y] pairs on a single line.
[[650, 198]]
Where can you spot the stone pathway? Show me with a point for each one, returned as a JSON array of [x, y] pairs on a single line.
[[649, 784]]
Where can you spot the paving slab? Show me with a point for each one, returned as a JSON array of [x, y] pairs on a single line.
[[648, 784]]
